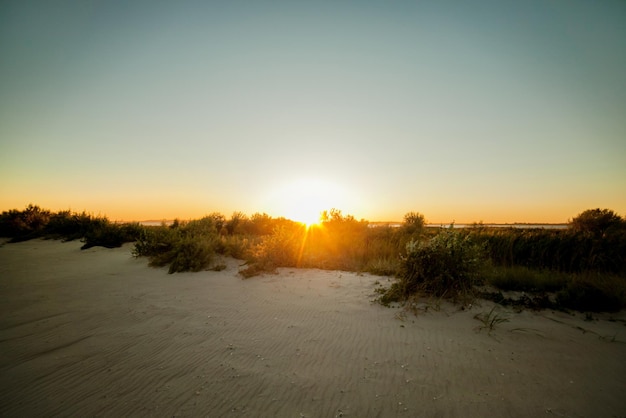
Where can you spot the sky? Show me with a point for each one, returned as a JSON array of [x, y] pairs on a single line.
[[494, 111]]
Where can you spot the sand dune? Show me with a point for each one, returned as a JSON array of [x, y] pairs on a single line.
[[98, 333]]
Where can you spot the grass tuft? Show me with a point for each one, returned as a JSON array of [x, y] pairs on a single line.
[[490, 319]]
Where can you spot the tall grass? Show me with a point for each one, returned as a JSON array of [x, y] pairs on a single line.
[[559, 250], [521, 278]]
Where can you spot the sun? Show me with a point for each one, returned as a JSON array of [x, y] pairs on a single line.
[[306, 217], [304, 200]]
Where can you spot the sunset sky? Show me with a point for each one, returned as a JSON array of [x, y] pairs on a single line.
[[501, 111]]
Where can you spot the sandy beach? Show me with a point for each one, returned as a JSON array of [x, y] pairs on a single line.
[[99, 333]]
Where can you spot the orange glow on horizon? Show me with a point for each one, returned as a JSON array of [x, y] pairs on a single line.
[[303, 201]]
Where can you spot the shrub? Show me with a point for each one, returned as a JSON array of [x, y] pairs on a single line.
[[109, 235], [414, 223], [193, 253], [447, 265], [281, 249], [186, 246], [71, 226], [235, 222], [24, 225], [155, 240], [597, 222], [235, 246], [259, 224]]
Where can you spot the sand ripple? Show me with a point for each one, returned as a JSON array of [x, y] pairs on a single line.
[[98, 333]]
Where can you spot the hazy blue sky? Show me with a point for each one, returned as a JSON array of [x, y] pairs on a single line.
[[499, 111]]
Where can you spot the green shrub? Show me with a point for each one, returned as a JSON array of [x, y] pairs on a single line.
[[193, 253], [281, 249], [236, 222], [236, 246], [447, 265], [185, 246], [259, 224], [155, 240]]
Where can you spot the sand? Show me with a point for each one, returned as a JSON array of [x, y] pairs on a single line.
[[99, 333]]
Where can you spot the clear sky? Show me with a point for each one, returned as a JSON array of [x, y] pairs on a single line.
[[501, 111]]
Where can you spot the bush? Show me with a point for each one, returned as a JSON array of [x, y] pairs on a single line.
[[447, 265], [236, 221], [281, 249], [111, 235], [414, 223], [24, 225], [235, 246], [34, 222], [597, 222], [70, 226], [185, 246], [155, 240], [193, 254]]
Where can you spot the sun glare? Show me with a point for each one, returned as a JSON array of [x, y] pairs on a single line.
[[304, 200]]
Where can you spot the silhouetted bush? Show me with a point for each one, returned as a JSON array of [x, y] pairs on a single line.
[[24, 225], [34, 222], [414, 223], [70, 226], [110, 235], [598, 222]]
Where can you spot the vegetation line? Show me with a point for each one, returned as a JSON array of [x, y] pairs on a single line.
[[582, 266]]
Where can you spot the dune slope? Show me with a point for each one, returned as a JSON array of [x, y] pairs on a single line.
[[99, 333]]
